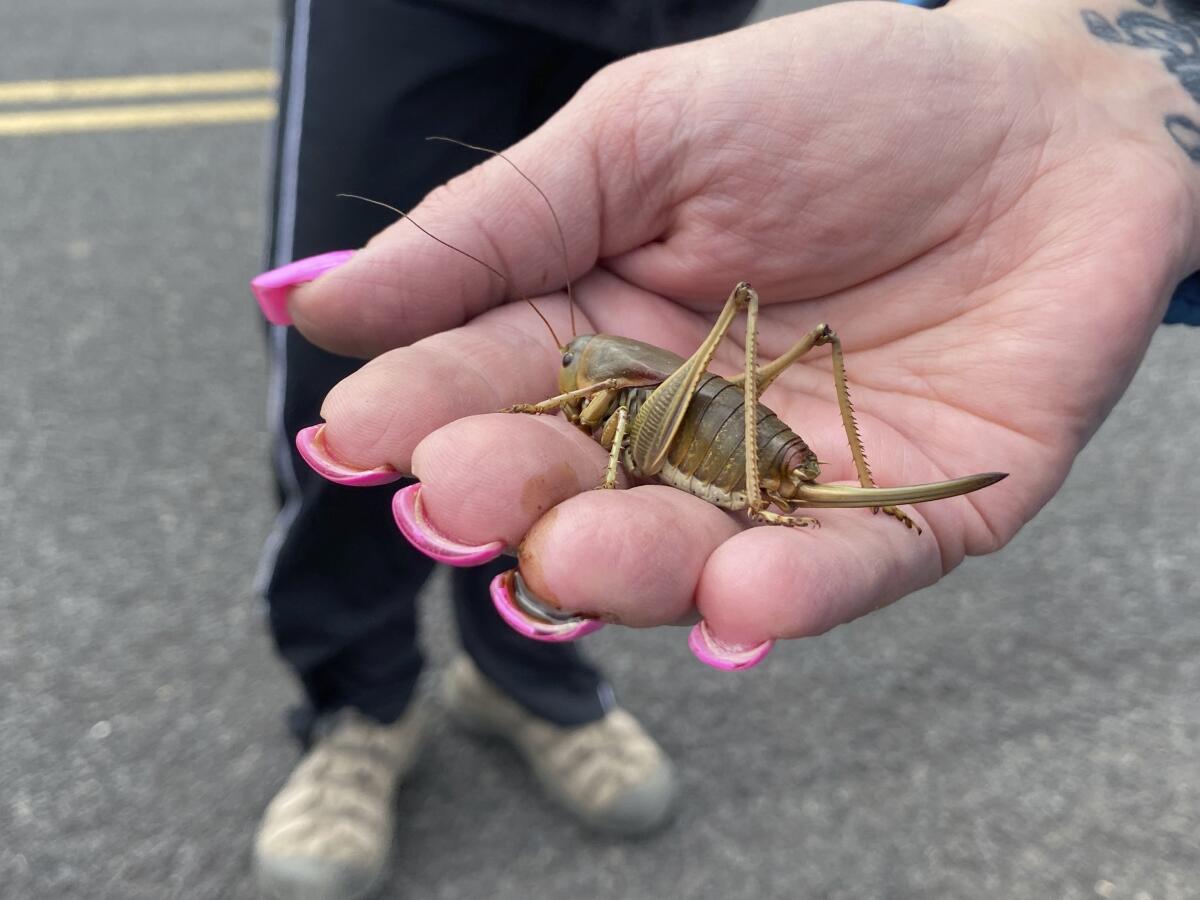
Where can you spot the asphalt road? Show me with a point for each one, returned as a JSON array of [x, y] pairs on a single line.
[[1030, 728]]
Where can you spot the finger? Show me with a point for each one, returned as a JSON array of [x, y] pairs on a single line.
[[643, 557], [378, 415], [408, 282], [777, 582], [491, 477], [633, 557]]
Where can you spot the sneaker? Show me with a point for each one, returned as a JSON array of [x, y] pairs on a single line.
[[326, 834], [609, 774]]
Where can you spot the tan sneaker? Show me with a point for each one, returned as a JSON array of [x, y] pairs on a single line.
[[610, 774], [326, 834]]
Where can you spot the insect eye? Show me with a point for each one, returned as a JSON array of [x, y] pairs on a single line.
[[568, 358]]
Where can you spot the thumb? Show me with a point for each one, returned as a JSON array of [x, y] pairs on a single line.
[[574, 173]]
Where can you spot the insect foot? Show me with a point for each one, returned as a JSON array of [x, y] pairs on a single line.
[[770, 518], [527, 408], [901, 516]]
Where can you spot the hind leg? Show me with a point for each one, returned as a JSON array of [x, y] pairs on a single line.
[[819, 336]]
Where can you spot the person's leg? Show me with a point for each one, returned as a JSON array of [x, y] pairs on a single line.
[[552, 681]]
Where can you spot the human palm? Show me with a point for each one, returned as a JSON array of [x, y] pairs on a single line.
[[990, 241]]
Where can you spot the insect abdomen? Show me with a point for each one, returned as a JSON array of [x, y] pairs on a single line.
[[708, 456]]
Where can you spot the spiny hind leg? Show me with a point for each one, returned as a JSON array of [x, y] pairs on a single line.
[[851, 426], [762, 377], [756, 501], [768, 372], [819, 336]]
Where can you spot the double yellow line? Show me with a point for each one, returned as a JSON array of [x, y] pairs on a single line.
[[224, 87]]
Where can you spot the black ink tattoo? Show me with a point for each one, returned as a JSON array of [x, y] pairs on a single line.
[[1175, 33]]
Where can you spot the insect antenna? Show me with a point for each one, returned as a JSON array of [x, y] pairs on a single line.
[[562, 240], [402, 214]]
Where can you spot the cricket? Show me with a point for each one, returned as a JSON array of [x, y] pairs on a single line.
[[661, 416]]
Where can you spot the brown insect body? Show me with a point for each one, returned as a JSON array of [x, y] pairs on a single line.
[[708, 456]]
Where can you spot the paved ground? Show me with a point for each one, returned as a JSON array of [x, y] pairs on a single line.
[[1028, 729]]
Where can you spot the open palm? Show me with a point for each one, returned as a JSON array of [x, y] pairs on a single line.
[[992, 244]]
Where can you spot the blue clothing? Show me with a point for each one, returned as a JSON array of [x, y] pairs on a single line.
[[1185, 304]]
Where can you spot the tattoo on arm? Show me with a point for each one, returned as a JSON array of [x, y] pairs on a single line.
[[1173, 30]]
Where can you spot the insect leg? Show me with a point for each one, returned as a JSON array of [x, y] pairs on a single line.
[[819, 336], [619, 423], [754, 495], [852, 436], [767, 373], [547, 406], [597, 408]]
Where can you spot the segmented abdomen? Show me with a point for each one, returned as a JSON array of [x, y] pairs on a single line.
[[708, 456]]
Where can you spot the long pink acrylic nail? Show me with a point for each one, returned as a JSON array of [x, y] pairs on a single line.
[[714, 652], [538, 627], [413, 524], [310, 442], [271, 288]]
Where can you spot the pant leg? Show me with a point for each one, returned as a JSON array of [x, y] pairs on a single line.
[[363, 83], [553, 681]]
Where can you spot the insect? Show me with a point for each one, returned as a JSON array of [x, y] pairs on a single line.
[[665, 417]]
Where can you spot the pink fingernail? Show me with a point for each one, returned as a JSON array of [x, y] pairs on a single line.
[[526, 615], [727, 657], [310, 442], [411, 520], [271, 288]]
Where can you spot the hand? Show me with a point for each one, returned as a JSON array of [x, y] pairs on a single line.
[[981, 200]]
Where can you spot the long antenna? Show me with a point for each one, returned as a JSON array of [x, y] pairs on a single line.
[[562, 240], [402, 214]]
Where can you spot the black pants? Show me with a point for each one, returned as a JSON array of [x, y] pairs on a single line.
[[364, 81]]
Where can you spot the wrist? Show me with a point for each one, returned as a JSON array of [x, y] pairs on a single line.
[[1116, 70]]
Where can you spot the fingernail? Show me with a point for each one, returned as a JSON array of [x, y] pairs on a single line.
[[524, 613], [727, 657], [411, 520], [310, 442], [271, 288]]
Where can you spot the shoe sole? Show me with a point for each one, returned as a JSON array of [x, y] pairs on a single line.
[[303, 879]]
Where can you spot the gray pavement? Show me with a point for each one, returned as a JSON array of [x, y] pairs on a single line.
[[1029, 728]]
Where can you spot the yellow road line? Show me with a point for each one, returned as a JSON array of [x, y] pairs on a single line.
[[234, 81], [153, 115]]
